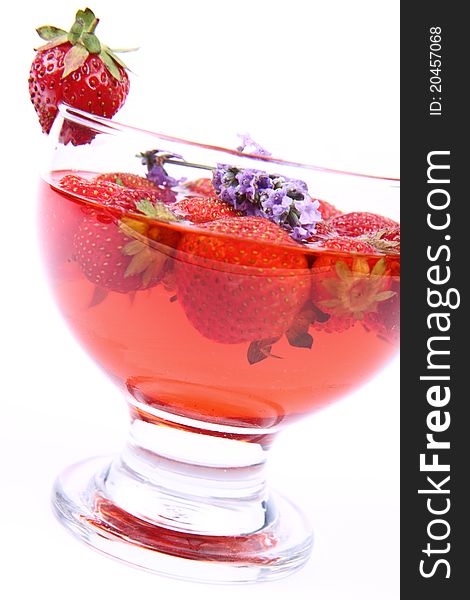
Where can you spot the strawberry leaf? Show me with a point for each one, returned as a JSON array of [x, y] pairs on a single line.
[[76, 31], [299, 339], [342, 270], [74, 59], [140, 262], [86, 16], [259, 350], [381, 296], [297, 335], [116, 58], [154, 270], [255, 354], [91, 42], [156, 211], [61, 39], [132, 248], [114, 51], [320, 316], [379, 267], [99, 295], [49, 32], [110, 65]]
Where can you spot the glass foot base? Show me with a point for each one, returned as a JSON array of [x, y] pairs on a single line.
[[282, 546]]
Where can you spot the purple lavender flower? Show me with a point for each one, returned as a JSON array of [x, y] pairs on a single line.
[[280, 199], [308, 211], [154, 160], [251, 146], [158, 175]]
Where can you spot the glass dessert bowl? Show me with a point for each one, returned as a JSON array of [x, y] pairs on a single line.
[[220, 325]]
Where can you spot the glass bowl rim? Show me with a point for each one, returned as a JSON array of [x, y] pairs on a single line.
[[106, 125]]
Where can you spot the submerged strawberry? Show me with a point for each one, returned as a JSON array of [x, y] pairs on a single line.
[[327, 210], [201, 187], [349, 288], [128, 254], [346, 244], [106, 254], [198, 209], [385, 322], [112, 194], [323, 231], [93, 190], [128, 180], [74, 67], [246, 285], [386, 240], [355, 224], [136, 182]]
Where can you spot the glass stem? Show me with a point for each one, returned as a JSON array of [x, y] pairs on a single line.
[[193, 481]]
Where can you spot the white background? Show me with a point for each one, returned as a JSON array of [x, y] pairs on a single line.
[[308, 79]]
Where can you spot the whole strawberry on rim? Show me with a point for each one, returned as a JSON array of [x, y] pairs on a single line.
[[76, 68]]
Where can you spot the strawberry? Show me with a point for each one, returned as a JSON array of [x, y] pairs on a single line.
[[385, 322], [323, 231], [128, 180], [327, 210], [199, 209], [136, 182], [386, 240], [99, 190], [105, 254], [359, 223], [201, 187], [246, 283], [133, 196], [349, 288], [74, 67], [346, 244], [128, 254], [112, 194]]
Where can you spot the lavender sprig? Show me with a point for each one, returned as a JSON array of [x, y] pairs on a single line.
[[249, 145], [280, 199], [154, 161]]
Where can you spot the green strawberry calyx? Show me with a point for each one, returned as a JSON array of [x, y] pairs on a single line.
[[84, 42], [357, 289], [145, 260]]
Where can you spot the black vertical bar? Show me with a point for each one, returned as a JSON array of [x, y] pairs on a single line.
[[435, 120]]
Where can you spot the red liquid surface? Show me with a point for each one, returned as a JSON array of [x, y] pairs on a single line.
[[149, 341]]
